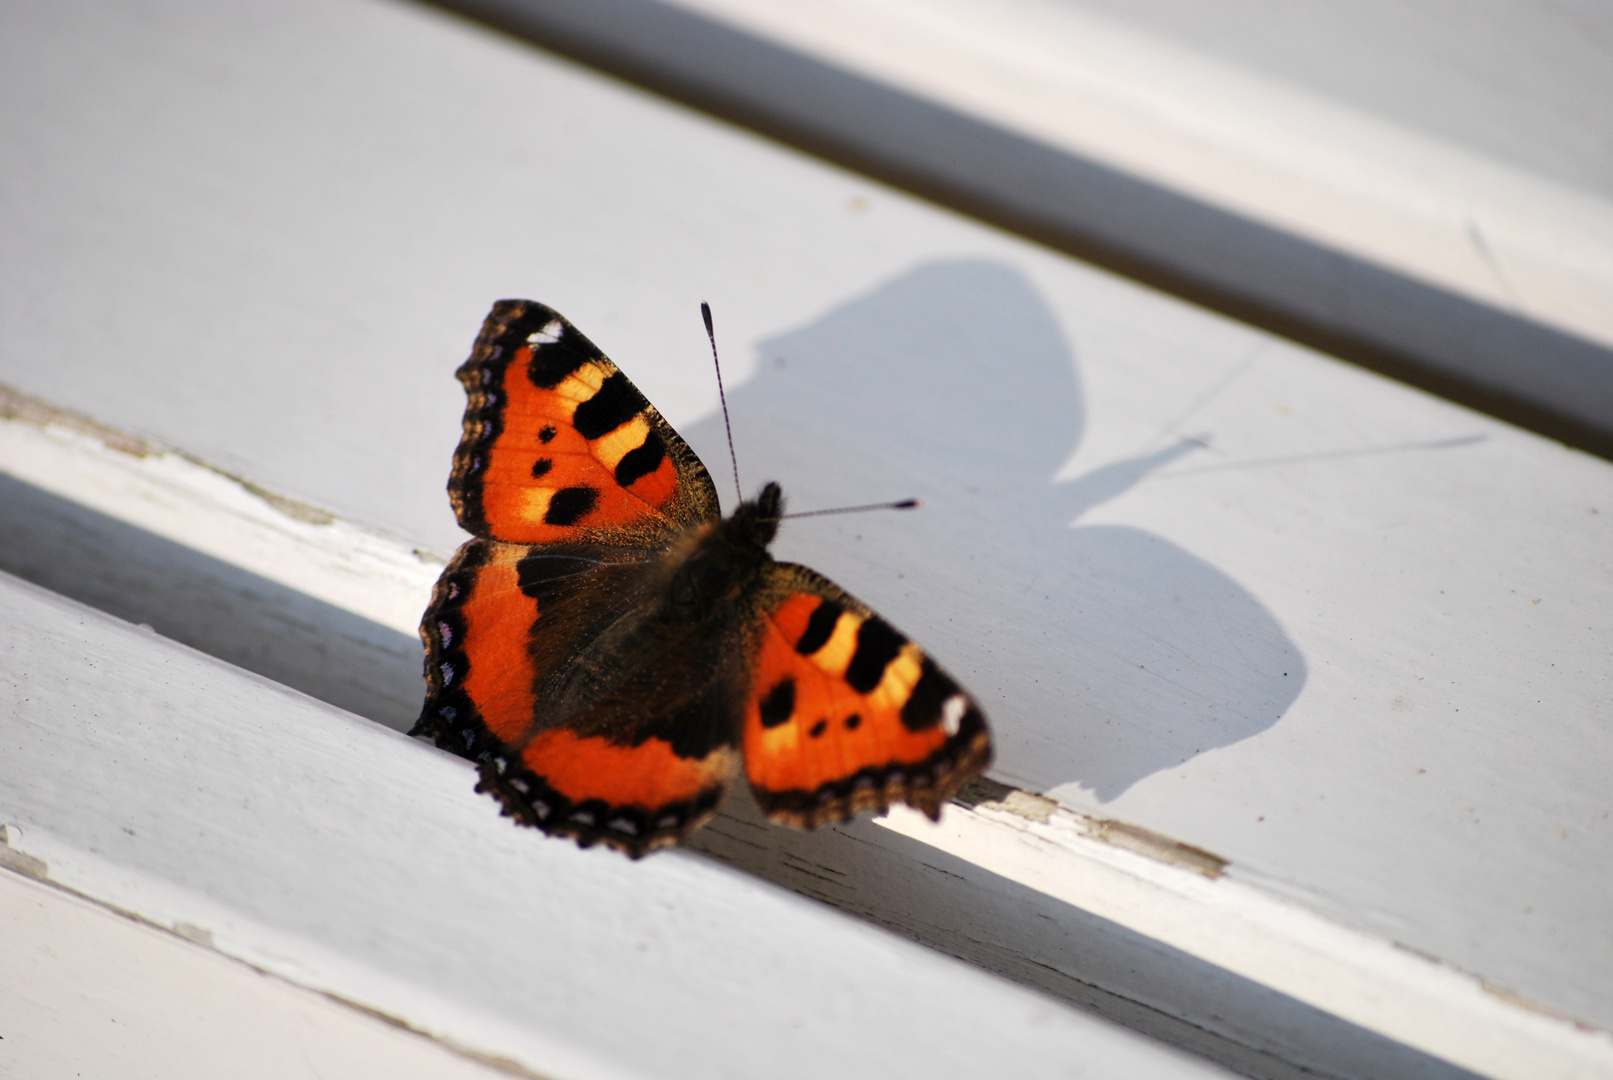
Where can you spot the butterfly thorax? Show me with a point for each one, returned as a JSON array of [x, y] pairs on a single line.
[[724, 558]]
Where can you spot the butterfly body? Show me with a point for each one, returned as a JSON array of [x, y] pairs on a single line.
[[611, 651]]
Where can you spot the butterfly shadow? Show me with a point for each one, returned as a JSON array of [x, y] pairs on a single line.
[[1103, 654]]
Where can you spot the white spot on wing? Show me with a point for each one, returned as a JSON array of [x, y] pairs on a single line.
[[548, 335], [952, 710]]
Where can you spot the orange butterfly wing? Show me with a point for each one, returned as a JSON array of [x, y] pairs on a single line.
[[558, 445], [550, 661], [576, 488], [513, 636], [845, 714]]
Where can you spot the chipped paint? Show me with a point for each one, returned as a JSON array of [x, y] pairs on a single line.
[[18, 407], [181, 498], [1513, 998], [1156, 846], [19, 861], [191, 932], [983, 793]]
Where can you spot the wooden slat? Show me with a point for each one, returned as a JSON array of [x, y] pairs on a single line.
[[86, 992], [1101, 913], [351, 860], [1448, 267], [1210, 586]]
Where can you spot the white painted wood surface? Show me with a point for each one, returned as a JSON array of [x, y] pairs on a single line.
[[88, 993], [351, 860], [1421, 255], [1345, 636], [1091, 81], [1519, 82], [1222, 939]]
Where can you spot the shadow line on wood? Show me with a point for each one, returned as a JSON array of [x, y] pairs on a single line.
[[1498, 362], [233, 614]]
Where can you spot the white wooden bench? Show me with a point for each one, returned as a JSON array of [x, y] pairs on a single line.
[[1299, 677]]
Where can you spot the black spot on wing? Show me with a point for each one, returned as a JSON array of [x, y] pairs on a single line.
[[617, 402], [819, 728], [853, 721], [923, 707], [641, 461], [818, 628], [877, 645], [779, 704], [547, 434], [541, 467], [570, 505], [552, 363]]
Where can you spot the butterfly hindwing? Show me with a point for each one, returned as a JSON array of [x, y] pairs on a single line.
[[559, 445], [572, 735], [844, 713]]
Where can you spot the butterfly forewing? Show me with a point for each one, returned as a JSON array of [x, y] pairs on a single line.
[[558, 445]]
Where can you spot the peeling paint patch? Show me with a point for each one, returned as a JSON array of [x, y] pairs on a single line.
[[989, 794], [18, 861], [191, 932], [982, 793], [15, 405], [300, 511], [1514, 998], [1153, 845], [23, 408]]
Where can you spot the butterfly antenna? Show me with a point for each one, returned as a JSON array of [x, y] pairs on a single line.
[[902, 504], [705, 313]]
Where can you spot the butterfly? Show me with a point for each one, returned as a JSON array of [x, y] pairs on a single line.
[[610, 650]]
